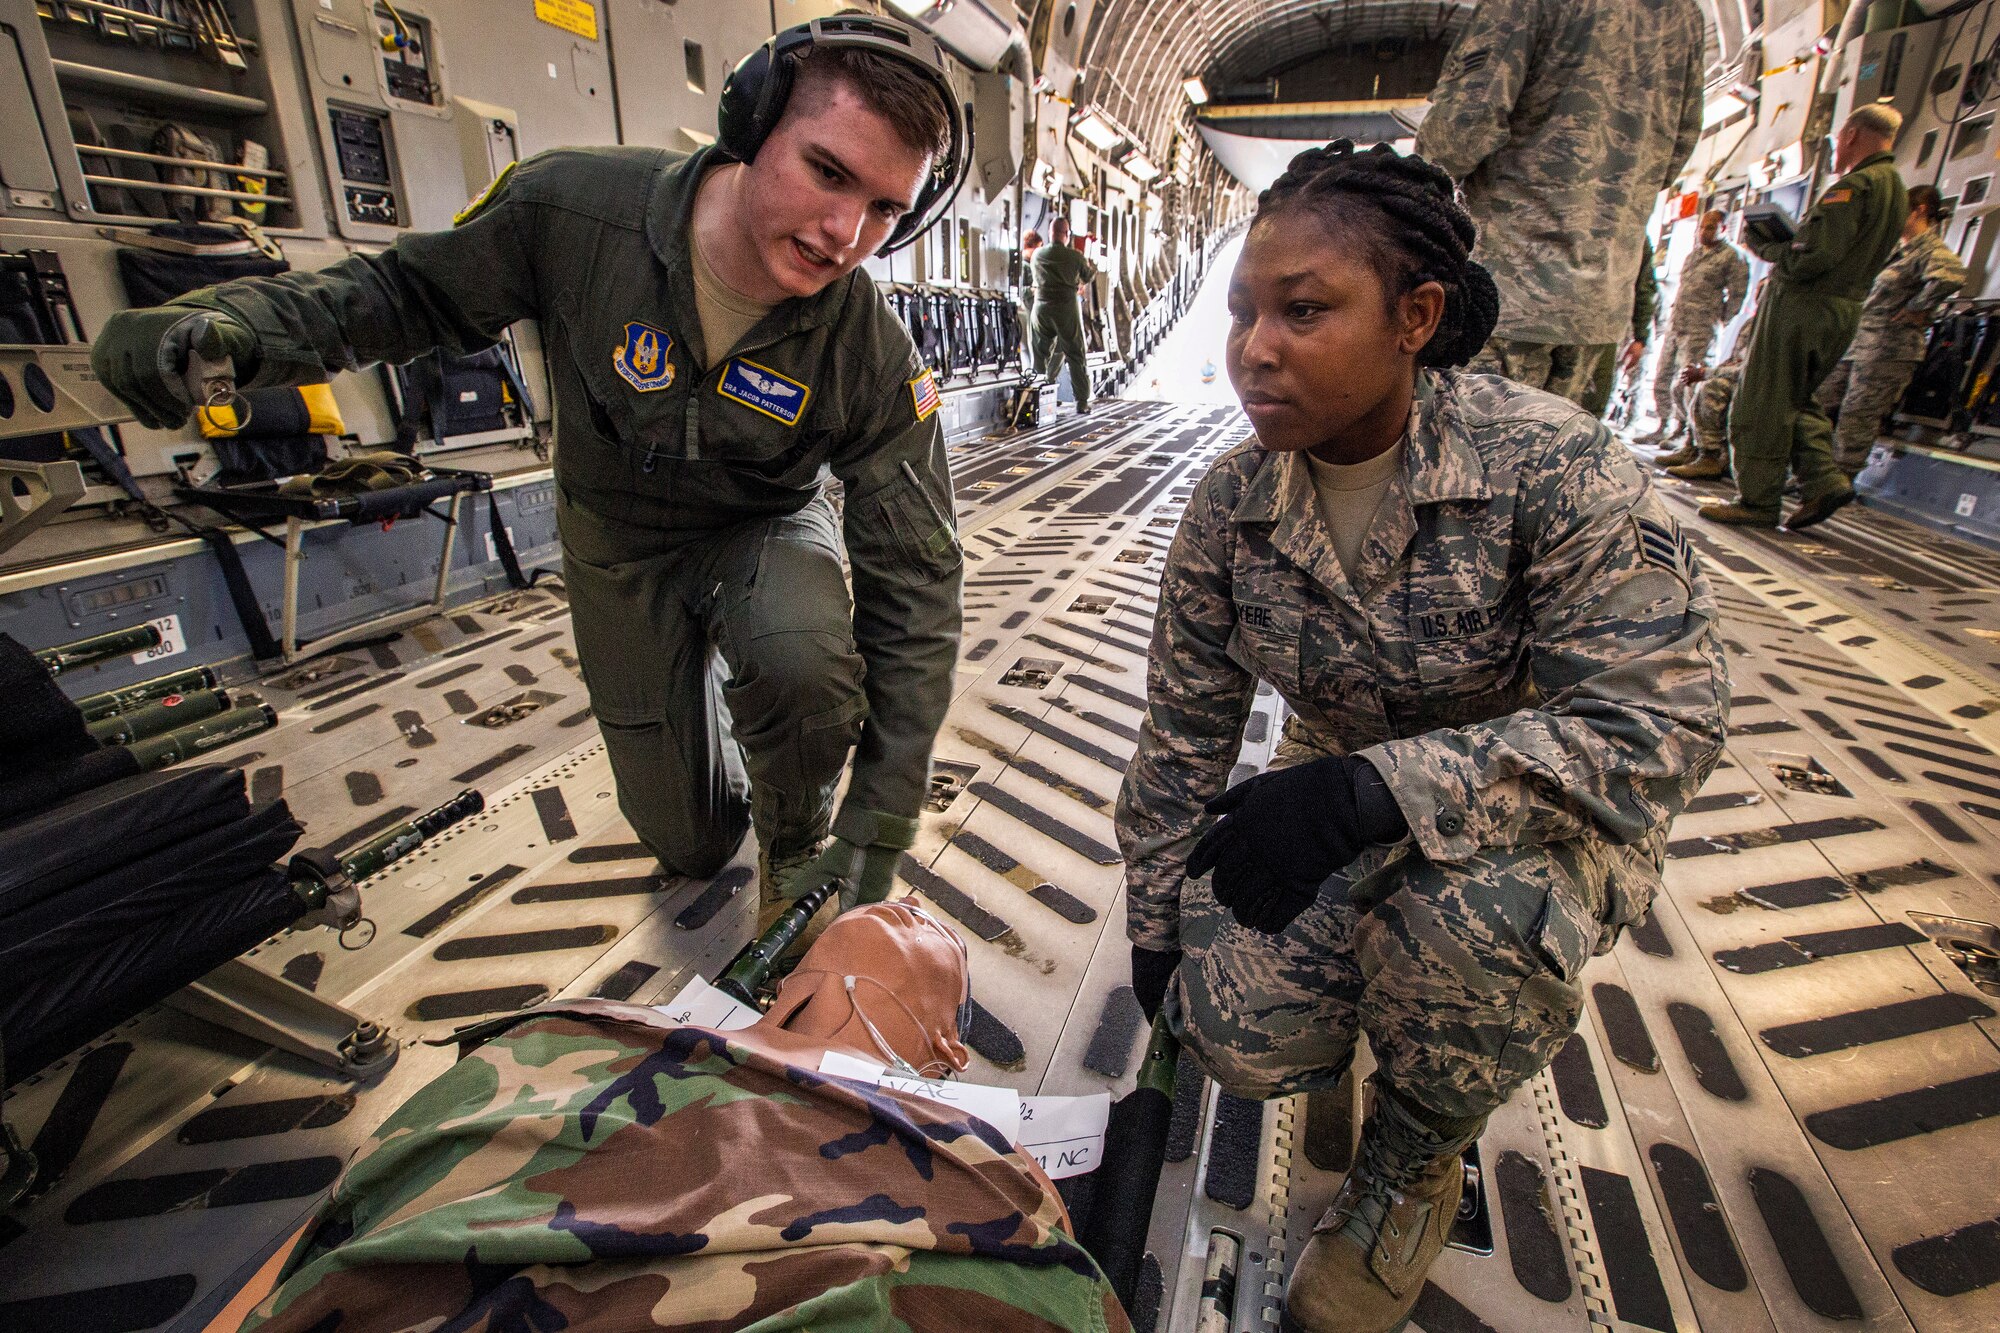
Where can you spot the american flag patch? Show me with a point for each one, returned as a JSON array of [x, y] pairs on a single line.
[[924, 394], [1665, 545]]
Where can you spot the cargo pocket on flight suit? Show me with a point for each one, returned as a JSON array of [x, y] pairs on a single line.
[[1551, 999], [926, 541]]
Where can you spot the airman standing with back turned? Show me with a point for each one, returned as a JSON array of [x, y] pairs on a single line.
[[1060, 272], [714, 355], [1559, 185]]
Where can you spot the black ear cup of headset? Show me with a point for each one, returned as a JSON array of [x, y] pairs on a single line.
[[754, 97]]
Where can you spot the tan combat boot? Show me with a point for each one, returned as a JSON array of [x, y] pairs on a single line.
[[1737, 516], [1363, 1268], [1680, 457], [773, 870], [1704, 467]]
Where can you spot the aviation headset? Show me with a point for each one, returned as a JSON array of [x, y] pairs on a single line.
[[754, 98]]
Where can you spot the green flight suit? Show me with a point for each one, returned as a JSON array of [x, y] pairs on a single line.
[[699, 547], [1804, 323], [1057, 329]]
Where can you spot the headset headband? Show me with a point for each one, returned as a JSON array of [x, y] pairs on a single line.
[[755, 94]]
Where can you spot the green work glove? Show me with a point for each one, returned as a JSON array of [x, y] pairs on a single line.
[[142, 356], [865, 874], [862, 858]]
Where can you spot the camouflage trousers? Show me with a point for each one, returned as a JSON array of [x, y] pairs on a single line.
[[1860, 395], [1707, 406], [1463, 977], [723, 675], [1565, 369], [1680, 351]]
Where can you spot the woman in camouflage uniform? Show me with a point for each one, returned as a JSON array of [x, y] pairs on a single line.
[[1502, 651]]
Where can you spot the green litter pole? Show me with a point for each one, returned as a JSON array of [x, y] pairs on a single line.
[[191, 742], [159, 717], [752, 968], [86, 652], [104, 704], [1135, 1147], [317, 873]]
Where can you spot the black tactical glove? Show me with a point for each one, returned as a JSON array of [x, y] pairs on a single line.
[[1282, 833], [1152, 970], [142, 356]]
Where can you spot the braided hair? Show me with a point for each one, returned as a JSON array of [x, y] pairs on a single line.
[[1414, 229]]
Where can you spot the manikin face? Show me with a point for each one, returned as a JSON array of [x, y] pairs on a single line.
[[1314, 348], [826, 190]]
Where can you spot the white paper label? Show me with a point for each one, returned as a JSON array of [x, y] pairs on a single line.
[[1966, 504], [1065, 1135], [492, 548], [172, 641], [998, 1107], [703, 1006]]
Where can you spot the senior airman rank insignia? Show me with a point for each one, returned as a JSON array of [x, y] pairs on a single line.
[[763, 389], [924, 394], [643, 358]]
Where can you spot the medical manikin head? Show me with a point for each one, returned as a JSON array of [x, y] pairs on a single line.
[[887, 981]]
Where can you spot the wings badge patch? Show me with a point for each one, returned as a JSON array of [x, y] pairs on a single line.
[[1665, 545], [763, 389], [643, 359]]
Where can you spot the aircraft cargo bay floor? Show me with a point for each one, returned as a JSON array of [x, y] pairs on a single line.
[[1781, 1112]]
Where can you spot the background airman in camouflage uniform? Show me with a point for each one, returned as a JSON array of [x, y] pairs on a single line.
[[1888, 345], [1527, 655], [1713, 283], [1563, 120]]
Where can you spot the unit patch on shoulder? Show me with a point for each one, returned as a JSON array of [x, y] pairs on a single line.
[[924, 394], [644, 358], [1836, 196], [763, 389], [1666, 545], [485, 196]]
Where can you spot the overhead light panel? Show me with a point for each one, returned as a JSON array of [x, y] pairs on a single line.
[[1099, 133], [1196, 90], [913, 9], [1139, 167], [1720, 108]]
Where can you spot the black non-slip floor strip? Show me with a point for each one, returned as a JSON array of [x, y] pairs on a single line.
[[218, 1187], [480, 770], [1063, 903], [583, 890], [995, 1042], [124, 1308], [1863, 1027], [519, 942], [1956, 1263], [250, 1120], [438, 917], [320, 705], [1234, 1150], [1576, 1084], [336, 723], [732, 881], [1438, 1311], [1906, 1115], [951, 899], [446, 677], [1822, 1284], [472, 1003], [1110, 692], [1796, 893], [363, 788], [1706, 1245], [1110, 1051], [625, 982], [1081, 843], [61, 1136], [1534, 1248], [1713, 1068], [555, 813], [1624, 1027], [1068, 740], [610, 851], [1650, 937], [1637, 1292], [1809, 830], [1799, 950]]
